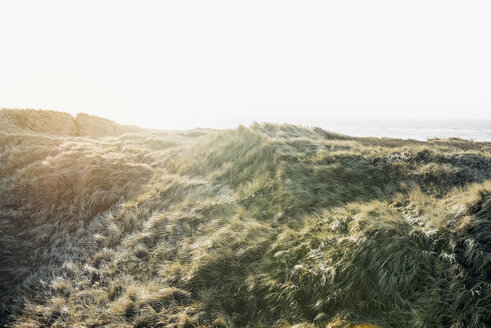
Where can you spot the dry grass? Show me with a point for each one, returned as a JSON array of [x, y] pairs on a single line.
[[107, 225]]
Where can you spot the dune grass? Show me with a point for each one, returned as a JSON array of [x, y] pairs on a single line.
[[261, 226]]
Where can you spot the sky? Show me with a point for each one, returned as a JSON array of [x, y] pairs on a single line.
[[159, 64]]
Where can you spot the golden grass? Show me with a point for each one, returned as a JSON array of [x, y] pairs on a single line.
[[266, 226]]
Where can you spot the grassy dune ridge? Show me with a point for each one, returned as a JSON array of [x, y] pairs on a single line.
[[270, 225]]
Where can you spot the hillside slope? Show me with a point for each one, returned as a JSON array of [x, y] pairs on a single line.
[[108, 225]]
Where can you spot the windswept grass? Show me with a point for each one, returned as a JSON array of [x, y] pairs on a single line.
[[107, 225]]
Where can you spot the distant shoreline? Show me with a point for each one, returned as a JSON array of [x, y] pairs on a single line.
[[422, 130]]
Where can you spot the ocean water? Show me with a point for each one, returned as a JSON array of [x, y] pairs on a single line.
[[477, 130]]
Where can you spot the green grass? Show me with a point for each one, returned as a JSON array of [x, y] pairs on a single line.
[[261, 226]]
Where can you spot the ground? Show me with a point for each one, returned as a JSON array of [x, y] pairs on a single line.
[[260, 226]]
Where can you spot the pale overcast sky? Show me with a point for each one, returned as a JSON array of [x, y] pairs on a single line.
[[156, 63]]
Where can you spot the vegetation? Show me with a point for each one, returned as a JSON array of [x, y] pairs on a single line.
[[265, 226]]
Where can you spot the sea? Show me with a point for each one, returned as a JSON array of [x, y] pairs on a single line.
[[477, 130]]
